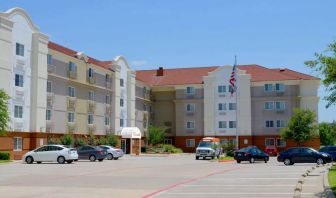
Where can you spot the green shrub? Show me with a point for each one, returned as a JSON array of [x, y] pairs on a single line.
[[53, 141], [229, 149], [66, 139], [112, 140], [79, 142], [101, 141], [91, 139], [156, 135], [163, 148], [4, 156]]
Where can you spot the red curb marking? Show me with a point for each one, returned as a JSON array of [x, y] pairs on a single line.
[[186, 182]]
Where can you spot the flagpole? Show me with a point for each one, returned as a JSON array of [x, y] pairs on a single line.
[[236, 90]]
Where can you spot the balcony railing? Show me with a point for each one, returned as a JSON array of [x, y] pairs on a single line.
[[72, 74], [91, 106], [51, 68], [91, 128], [108, 109], [71, 103], [91, 80], [72, 127]]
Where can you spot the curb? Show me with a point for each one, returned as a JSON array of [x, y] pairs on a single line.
[[327, 190], [225, 161]]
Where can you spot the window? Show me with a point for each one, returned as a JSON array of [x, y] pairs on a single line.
[[72, 67], [91, 95], [232, 124], [230, 88], [71, 92], [190, 90], [17, 143], [221, 89], [280, 142], [121, 122], [233, 141], [281, 123], [19, 49], [49, 59], [221, 106], [269, 142], [121, 102], [190, 143], [190, 107], [190, 125], [71, 117], [121, 82], [107, 78], [279, 105], [18, 111], [145, 108], [48, 114], [222, 124], [268, 105], [268, 87], [107, 121], [223, 141], [91, 73], [279, 87], [108, 99], [90, 119], [168, 141], [18, 80], [232, 106], [49, 87], [269, 123]]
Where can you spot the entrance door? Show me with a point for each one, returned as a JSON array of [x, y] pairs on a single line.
[[123, 145]]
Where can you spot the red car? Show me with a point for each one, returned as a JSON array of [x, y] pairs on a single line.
[[271, 150]]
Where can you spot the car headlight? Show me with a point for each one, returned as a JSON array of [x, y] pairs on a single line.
[[325, 155]]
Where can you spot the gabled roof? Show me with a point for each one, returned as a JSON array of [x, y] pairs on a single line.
[[194, 75], [72, 53]]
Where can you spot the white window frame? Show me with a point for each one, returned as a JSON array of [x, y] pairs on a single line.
[[49, 59], [223, 107], [17, 147], [269, 124], [91, 73], [107, 121], [72, 67], [168, 141], [282, 105], [276, 142], [268, 85], [192, 108], [51, 87], [280, 87], [266, 139], [18, 111], [190, 143], [71, 117], [232, 104], [190, 91], [190, 123], [19, 49], [122, 102], [90, 119], [234, 124], [121, 122], [221, 89], [108, 99], [281, 122], [48, 115], [91, 95], [222, 124], [20, 80], [122, 82], [269, 102], [71, 91]]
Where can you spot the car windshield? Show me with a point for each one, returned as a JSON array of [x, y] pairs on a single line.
[[245, 149], [314, 150], [204, 144]]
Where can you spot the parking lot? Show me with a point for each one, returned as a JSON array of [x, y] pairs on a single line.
[[144, 176]]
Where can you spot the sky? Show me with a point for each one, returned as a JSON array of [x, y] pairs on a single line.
[[191, 33]]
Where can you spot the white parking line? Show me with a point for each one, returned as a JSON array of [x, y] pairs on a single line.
[[267, 178], [238, 193], [242, 185]]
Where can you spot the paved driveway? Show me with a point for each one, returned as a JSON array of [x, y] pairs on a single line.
[[176, 176]]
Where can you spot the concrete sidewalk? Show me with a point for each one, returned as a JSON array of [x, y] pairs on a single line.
[[316, 183]]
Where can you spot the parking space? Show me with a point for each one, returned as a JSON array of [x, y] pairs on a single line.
[[131, 176]]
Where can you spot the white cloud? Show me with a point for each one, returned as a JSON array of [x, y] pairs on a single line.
[[138, 63]]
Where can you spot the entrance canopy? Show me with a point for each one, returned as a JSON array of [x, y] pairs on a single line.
[[131, 132]]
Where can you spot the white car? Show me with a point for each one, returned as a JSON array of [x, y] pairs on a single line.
[[112, 153], [51, 153]]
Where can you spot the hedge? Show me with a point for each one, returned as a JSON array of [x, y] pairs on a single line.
[[4, 156]]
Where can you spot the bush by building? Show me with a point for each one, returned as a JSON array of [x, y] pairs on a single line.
[[4, 156]]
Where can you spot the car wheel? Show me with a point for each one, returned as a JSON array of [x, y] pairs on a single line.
[[238, 161], [204, 158], [39, 162], [69, 161], [109, 156], [116, 158], [100, 160], [61, 160], [287, 162], [76, 160], [29, 160], [252, 160], [92, 158], [266, 159], [320, 161], [197, 158]]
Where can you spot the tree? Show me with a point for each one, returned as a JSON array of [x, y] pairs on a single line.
[[91, 139], [301, 127], [327, 133], [156, 135], [325, 64], [66, 139], [112, 140], [4, 113]]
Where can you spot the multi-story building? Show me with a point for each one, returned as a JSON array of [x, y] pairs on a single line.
[[197, 102], [55, 90]]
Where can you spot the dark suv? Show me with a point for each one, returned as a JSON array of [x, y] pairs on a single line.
[[91, 153], [303, 155], [331, 150]]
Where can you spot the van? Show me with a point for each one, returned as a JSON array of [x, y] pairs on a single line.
[[208, 147]]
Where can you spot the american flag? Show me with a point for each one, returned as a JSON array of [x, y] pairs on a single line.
[[233, 77]]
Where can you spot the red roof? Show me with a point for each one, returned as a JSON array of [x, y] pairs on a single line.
[[182, 76], [72, 53]]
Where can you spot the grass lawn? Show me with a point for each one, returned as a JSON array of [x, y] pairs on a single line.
[[332, 178], [226, 158], [5, 161]]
